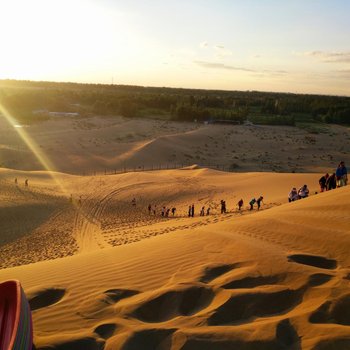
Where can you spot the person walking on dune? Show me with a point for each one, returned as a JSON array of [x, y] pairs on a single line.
[[173, 210], [208, 211], [133, 202], [240, 204], [259, 200], [331, 182], [26, 182], [149, 209], [192, 210], [251, 203], [189, 211], [341, 175], [322, 181], [223, 206], [202, 212]]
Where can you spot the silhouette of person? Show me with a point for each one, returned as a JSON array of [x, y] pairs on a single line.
[[341, 175], [251, 203], [322, 181], [331, 182], [240, 204], [259, 200]]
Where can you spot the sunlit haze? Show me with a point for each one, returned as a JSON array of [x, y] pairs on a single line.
[[292, 46]]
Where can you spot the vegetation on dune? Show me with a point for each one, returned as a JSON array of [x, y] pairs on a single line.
[[32, 101]]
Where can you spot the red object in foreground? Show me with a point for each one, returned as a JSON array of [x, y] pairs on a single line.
[[16, 329]]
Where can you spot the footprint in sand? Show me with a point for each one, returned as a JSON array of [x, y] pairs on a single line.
[[254, 281], [314, 260], [173, 303], [106, 330], [150, 339], [335, 311], [86, 343], [45, 297], [102, 304], [213, 272], [245, 308], [318, 279], [287, 336]]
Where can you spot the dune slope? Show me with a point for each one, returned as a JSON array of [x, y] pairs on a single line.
[[274, 279]]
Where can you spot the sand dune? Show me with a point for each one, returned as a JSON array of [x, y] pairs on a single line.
[[95, 144], [273, 279]]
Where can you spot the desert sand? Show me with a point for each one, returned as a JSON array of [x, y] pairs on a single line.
[[85, 146], [101, 273]]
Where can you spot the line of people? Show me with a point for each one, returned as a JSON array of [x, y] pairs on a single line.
[[337, 179], [204, 211], [165, 211]]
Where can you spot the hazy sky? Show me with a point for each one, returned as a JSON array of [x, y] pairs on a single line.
[[271, 45]]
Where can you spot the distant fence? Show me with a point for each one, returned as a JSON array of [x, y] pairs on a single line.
[[154, 167]]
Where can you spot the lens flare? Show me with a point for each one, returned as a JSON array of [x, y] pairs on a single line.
[[31, 144]]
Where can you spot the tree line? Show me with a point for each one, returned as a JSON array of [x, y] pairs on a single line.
[[28, 101]]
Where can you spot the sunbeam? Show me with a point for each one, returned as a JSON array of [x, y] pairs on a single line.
[[32, 145]]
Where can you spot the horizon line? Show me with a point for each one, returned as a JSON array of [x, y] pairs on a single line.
[[166, 87]]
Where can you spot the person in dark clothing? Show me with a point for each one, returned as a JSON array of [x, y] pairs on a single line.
[[223, 206], [240, 204], [251, 203], [173, 210], [259, 200], [322, 181], [202, 211], [192, 210], [341, 175], [331, 182], [208, 211], [189, 210], [149, 209]]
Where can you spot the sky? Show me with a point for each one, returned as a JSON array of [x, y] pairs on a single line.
[[267, 45]]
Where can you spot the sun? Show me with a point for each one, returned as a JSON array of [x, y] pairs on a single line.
[[52, 40]]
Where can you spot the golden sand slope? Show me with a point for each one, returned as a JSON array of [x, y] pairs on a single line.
[[101, 215], [277, 279]]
